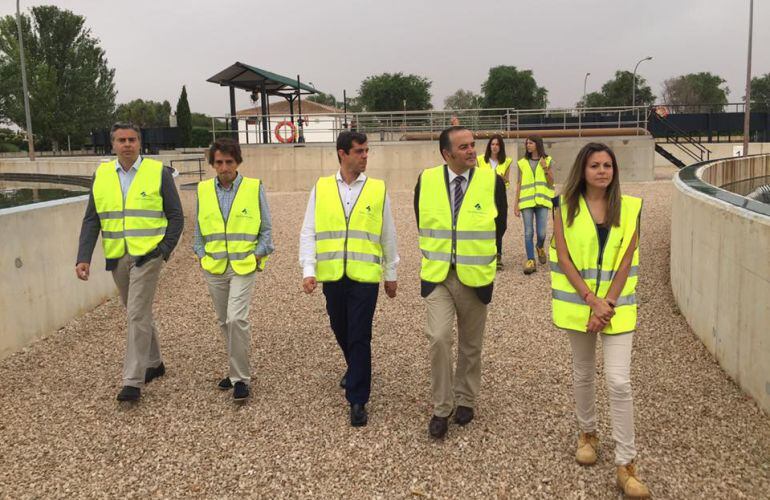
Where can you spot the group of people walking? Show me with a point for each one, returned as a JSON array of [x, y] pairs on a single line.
[[348, 244]]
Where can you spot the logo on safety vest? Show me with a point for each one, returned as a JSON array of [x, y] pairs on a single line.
[[368, 208], [245, 211], [478, 206], [144, 195]]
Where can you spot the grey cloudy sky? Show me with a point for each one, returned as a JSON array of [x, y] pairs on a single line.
[[156, 46]]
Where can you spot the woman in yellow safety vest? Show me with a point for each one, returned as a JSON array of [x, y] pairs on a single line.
[[532, 200], [594, 270], [495, 158]]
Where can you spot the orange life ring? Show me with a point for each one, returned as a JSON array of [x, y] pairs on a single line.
[[281, 138]]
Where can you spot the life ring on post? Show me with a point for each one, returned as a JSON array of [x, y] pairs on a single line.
[[290, 137]]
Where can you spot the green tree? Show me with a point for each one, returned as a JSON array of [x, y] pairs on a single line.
[[145, 114], [696, 88], [463, 99], [617, 92], [508, 87], [760, 93], [204, 121], [71, 88], [184, 119], [395, 92], [321, 98]]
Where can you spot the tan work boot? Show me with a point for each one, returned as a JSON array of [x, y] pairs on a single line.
[[587, 447], [541, 255], [530, 267], [630, 484]]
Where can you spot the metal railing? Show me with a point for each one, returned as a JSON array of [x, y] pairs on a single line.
[[188, 166], [395, 124]]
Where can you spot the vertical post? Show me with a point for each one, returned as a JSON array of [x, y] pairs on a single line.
[[30, 137], [345, 109], [213, 130], [263, 104], [747, 107], [299, 104], [233, 118]]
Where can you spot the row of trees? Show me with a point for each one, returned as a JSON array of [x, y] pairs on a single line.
[[71, 86], [510, 87]]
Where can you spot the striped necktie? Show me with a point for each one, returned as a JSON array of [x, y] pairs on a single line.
[[459, 194]]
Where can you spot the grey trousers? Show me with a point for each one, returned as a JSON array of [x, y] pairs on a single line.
[[137, 286], [231, 294], [449, 299]]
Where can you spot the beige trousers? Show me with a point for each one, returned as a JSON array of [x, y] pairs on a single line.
[[617, 372], [448, 299], [231, 294], [137, 286]]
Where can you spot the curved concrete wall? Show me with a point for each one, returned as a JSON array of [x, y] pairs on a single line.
[[39, 291], [720, 271]]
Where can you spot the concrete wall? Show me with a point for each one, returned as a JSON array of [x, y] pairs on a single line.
[[39, 291], [720, 276], [296, 168], [82, 165]]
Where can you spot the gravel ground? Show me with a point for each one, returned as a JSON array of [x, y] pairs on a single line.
[[63, 434]]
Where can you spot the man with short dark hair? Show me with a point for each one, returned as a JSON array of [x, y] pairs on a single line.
[[460, 209], [233, 237], [348, 242], [135, 205]]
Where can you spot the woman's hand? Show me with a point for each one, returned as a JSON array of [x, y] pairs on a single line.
[[516, 210], [600, 307], [595, 324]]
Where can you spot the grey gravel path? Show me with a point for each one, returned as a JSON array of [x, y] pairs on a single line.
[[62, 434]]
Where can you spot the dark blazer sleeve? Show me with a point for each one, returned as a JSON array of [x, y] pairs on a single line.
[[172, 207], [89, 231], [417, 201], [501, 201]]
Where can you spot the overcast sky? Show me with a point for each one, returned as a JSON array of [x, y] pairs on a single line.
[[156, 46]]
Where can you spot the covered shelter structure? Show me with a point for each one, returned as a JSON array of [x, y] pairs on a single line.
[[262, 84]]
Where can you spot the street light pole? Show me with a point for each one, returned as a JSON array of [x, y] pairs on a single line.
[[585, 81], [633, 84], [30, 138], [747, 104]]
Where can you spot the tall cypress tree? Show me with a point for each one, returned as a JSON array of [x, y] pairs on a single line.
[[184, 119]]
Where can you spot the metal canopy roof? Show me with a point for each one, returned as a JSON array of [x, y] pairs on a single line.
[[253, 79]]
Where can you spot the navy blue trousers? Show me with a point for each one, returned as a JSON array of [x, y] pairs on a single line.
[[351, 305]]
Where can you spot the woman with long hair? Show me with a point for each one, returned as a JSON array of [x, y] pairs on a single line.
[[495, 158], [532, 200], [594, 257]]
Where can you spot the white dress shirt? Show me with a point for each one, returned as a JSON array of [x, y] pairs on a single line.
[[348, 195]]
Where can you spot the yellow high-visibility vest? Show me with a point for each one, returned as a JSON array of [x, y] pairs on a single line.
[[469, 241], [569, 309], [500, 169], [350, 246], [233, 241], [535, 190], [137, 224]]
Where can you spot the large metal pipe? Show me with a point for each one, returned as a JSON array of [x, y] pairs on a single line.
[[521, 134]]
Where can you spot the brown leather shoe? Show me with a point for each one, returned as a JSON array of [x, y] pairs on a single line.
[[463, 415], [630, 484], [438, 426], [588, 445]]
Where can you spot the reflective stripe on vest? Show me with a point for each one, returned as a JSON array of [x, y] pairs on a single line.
[[471, 240], [349, 246], [136, 223], [569, 309], [534, 190], [500, 169], [233, 241]]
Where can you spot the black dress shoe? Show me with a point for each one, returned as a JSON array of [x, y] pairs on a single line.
[[225, 384], [128, 393], [153, 373], [463, 415], [358, 415], [438, 426], [241, 392], [344, 381]]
